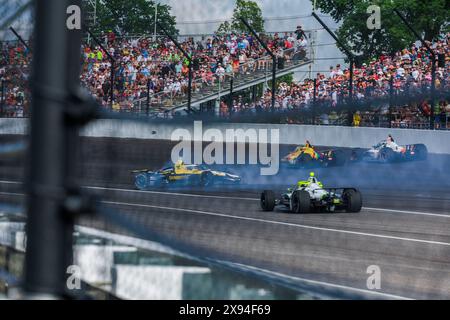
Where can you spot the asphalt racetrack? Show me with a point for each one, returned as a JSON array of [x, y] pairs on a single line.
[[403, 227]]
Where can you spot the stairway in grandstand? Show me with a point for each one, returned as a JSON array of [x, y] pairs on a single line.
[[213, 92], [241, 82]]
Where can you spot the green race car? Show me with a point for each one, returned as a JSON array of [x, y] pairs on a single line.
[[310, 196]]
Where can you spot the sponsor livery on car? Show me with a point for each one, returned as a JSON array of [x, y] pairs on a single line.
[[310, 196], [388, 151], [182, 175], [306, 156]]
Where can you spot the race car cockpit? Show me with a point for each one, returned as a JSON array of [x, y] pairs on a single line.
[[312, 182]]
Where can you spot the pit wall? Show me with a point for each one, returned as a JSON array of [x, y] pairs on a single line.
[[436, 141]]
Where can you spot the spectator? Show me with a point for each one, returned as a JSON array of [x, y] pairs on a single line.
[[357, 119], [300, 33]]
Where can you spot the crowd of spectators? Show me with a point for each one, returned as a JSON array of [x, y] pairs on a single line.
[[141, 63], [157, 66], [160, 65], [14, 77], [405, 73]]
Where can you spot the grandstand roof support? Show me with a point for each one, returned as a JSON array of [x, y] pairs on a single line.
[[391, 98], [113, 66], [20, 38], [230, 98], [274, 58], [433, 65], [347, 51]]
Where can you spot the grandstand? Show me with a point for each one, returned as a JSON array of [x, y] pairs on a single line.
[[152, 78]]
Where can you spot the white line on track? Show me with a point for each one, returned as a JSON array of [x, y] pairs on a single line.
[[256, 199], [322, 283], [236, 198], [386, 295], [409, 212], [154, 192], [11, 194], [279, 223], [374, 235], [284, 223], [10, 182], [173, 193]]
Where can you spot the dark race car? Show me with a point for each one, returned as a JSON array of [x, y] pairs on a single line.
[[182, 175]]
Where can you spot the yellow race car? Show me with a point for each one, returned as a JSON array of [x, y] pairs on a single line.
[[182, 175], [306, 156]]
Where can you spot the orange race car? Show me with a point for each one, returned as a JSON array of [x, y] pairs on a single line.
[[306, 156]]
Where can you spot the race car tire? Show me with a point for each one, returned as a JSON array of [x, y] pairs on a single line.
[[353, 200], [206, 179], [421, 152], [267, 200], [387, 155], [300, 202], [141, 181]]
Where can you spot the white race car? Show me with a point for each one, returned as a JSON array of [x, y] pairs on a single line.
[[311, 196], [388, 151]]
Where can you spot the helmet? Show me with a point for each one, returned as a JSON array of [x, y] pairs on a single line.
[[390, 138], [311, 174]]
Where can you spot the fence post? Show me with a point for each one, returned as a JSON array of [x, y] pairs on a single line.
[[349, 54], [51, 168], [190, 85], [112, 61], [111, 90], [391, 99], [274, 59], [350, 94], [230, 98], [2, 97], [314, 102], [433, 65], [148, 98]]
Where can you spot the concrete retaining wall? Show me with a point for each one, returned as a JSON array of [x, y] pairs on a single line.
[[436, 141], [13, 126]]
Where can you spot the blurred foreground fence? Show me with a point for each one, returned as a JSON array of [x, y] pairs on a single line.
[[69, 242]]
